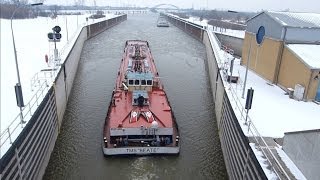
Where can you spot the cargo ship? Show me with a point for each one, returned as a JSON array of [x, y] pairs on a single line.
[[139, 119], [162, 22]]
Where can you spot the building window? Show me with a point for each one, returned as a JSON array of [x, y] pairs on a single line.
[[143, 82], [137, 82], [130, 82], [260, 35], [149, 82]]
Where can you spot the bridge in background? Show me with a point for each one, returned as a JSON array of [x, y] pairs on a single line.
[[164, 7]]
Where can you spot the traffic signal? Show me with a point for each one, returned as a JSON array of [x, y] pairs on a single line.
[[50, 36], [55, 36], [56, 29]]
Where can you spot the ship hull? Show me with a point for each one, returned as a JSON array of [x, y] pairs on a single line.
[[163, 25], [139, 119], [140, 151]]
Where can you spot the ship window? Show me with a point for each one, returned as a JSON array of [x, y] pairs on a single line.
[[130, 82], [143, 82], [149, 82], [137, 82]]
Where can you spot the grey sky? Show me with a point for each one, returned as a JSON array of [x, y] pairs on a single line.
[[243, 5]]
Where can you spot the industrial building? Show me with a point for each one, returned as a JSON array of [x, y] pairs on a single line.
[[287, 53]]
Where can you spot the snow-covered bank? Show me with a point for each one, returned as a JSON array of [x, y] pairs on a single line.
[[32, 45]]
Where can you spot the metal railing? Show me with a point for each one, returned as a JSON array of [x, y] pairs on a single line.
[[40, 80], [252, 130], [40, 77], [12, 131]]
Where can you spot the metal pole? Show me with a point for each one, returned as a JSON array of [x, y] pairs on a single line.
[[248, 63], [67, 28], [16, 59]]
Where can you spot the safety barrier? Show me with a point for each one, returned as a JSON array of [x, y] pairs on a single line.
[[192, 29]]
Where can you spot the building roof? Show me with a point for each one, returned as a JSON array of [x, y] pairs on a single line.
[[308, 53], [294, 19], [308, 20], [305, 131]]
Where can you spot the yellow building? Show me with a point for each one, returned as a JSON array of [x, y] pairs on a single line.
[[286, 52]]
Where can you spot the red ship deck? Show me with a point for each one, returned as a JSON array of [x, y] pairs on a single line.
[[139, 118], [120, 113], [122, 106]]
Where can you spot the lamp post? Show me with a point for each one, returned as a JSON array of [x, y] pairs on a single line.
[[17, 87], [246, 75]]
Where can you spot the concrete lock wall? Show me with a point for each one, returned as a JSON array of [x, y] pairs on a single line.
[[240, 161], [28, 156], [30, 152], [64, 81], [239, 158], [190, 28], [216, 83], [303, 149], [231, 42]]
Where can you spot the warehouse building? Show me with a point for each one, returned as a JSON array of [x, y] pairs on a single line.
[[284, 48]]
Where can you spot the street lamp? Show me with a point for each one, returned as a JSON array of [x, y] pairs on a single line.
[[17, 87]]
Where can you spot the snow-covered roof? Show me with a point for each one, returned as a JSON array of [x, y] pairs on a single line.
[[309, 54], [301, 20], [294, 19]]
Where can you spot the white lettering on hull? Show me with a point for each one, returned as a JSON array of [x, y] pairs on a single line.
[[141, 150]]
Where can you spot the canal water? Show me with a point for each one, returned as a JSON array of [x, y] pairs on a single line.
[[180, 61]]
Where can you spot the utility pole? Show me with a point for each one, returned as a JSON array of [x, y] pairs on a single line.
[[18, 87]]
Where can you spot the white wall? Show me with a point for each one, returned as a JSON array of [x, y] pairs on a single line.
[[303, 148]]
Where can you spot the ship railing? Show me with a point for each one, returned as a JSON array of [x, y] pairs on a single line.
[[13, 130], [242, 116]]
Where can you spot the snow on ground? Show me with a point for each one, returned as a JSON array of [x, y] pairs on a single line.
[[229, 32], [32, 45], [216, 29], [273, 113], [290, 165]]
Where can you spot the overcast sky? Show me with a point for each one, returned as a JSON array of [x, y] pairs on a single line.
[[238, 5]]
